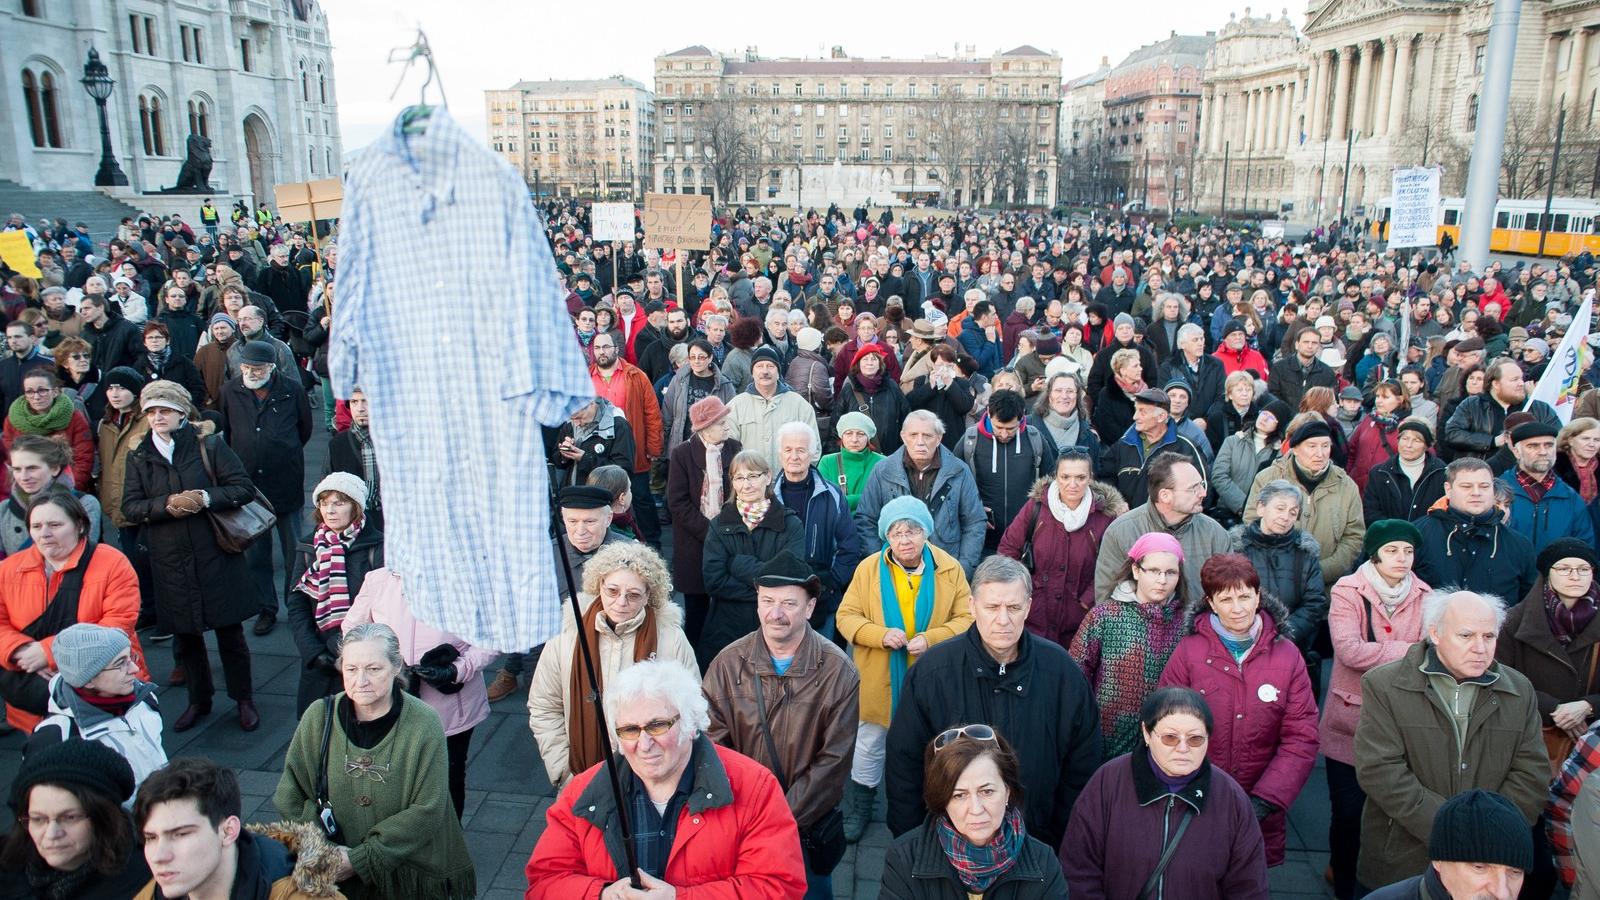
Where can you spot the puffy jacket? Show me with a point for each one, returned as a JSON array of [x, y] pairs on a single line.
[[1130, 463], [733, 555], [1471, 430], [1371, 444], [1479, 553], [1290, 567], [833, 545], [1040, 700], [1265, 711], [1063, 561], [549, 694], [675, 403], [135, 735], [1389, 494], [1330, 512], [1246, 359], [1560, 514], [1235, 468], [917, 868], [958, 519], [736, 839], [980, 348], [1005, 472]]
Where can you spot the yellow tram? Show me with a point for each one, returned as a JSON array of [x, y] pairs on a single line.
[[1574, 225]]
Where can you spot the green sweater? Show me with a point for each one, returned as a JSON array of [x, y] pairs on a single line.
[[857, 466], [404, 838]]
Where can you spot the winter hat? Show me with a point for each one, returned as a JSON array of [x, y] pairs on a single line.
[[1121, 320], [1385, 531], [584, 496], [860, 421], [1517, 333], [1479, 826], [765, 353], [866, 350], [1232, 326], [1350, 393], [1154, 397], [1538, 344], [167, 394], [1326, 322], [1556, 551], [1420, 427], [707, 411], [1048, 345], [88, 764], [788, 570], [1313, 429], [808, 339], [84, 650], [345, 483], [126, 378], [904, 508], [257, 353], [223, 317], [1155, 542], [1534, 429]]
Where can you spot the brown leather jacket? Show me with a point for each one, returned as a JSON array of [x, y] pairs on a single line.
[[811, 709]]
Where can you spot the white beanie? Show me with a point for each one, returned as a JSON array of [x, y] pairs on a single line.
[[345, 483]]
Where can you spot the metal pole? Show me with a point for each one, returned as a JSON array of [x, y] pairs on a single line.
[[1488, 144], [1344, 189], [1555, 167], [1246, 203], [1427, 133], [1322, 187], [1222, 206]]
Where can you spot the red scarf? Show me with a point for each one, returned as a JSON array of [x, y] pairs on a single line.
[[113, 706], [1132, 387], [1536, 489]]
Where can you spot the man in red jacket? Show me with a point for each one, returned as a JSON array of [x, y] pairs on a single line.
[[628, 388]]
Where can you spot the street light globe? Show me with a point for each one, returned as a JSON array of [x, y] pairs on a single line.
[[96, 77]]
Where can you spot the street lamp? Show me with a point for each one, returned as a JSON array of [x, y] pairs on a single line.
[[97, 81]]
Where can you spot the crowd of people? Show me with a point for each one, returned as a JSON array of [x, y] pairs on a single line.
[[1072, 545]]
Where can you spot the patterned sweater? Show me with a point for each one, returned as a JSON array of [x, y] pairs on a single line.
[[1123, 646]]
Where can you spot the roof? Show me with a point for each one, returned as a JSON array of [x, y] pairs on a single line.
[[588, 85], [696, 50], [857, 67], [1195, 45], [1092, 78], [1025, 50]]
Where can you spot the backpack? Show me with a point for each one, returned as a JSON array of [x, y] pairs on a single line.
[[969, 447]]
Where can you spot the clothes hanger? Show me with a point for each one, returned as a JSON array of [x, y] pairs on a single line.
[[414, 119]]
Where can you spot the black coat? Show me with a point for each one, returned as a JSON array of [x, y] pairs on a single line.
[[197, 586], [1205, 386], [288, 287], [613, 447], [1290, 567], [916, 868], [117, 343], [180, 369], [1100, 371], [1222, 420], [1390, 494], [686, 478], [270, 437], [1041, 702], [733, 555], [1288, 382], [362, 557], [1478, 553], [951, 405], [1479, 419]]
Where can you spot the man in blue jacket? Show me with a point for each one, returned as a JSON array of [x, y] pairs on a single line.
[[1543, 507], [1468, 544], [833, 545], [980, 337]]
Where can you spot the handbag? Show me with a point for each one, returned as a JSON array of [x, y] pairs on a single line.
[[330, 825], [1558, 744], [1154, 881], [1026, 555], [237, 528], [823, 840], [25, 690]]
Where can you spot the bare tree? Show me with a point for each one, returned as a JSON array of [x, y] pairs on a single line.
[[1011, 145], [732, 144], [951, 125], [1433, 142]]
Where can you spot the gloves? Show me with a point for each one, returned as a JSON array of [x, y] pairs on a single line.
[[326, 663], [1262, 808], [184, 504], [441, 678]]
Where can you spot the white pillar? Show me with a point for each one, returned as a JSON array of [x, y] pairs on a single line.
[[1274, 110], [1341, 96], [1384, 89], [1358, 119], [1289, 135], [1575, 67], [1317, 96], [1400, 87]]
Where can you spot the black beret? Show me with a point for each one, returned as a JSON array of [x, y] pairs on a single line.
[[1534, 429], [1313, 429], [585, 496]]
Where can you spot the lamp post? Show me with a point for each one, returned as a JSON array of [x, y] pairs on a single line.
[[97, 81]]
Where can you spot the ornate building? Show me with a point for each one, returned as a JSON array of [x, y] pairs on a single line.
[[576, 138], [1085, 177], [967, 130], [1152, 110], [255, 77]]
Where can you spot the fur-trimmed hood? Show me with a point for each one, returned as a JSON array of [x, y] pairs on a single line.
[[1308, 543], [1106, 497], [316, 859]]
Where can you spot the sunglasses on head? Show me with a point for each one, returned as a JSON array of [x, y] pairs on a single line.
[[977, 732]]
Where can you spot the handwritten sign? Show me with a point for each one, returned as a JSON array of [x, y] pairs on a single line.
[[677, 221], [613, 221], [18, 253], [306, 201], [1414, 215]]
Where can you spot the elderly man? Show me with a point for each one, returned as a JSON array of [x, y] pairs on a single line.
[[833, 545], [1332, 512], [286, 285], [1468, 543], [1476, 851], [1476, 428], [253, 329], [923, 468], [1200, 370], [1177, 494], [1000, 674], [786, 697], [740, 837], [1543, 507], [266, 420], [1440, 720], [766, 404], [1152, 434]]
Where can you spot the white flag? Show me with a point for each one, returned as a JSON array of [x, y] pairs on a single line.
[[1558, 386]]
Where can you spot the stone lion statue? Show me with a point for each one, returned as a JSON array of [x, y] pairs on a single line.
[[196, 172]]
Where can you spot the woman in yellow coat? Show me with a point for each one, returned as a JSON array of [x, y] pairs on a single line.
[[900, 602]]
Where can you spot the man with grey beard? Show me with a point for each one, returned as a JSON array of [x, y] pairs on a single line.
[[253, 329]]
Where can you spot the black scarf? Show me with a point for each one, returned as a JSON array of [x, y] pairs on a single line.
[[1310, 481], [57, 885]]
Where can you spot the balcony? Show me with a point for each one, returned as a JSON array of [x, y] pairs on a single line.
[[254, 10]]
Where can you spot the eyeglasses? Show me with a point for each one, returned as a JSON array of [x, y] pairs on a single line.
[[65, 820], [655, 728], [127, 661], [37, 392], [977, 732], [750, 477], [1571, 571], [1195, 741], [1163, 574]]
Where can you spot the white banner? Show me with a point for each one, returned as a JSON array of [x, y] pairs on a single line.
[[1558, 386], [612, 221], [1414, 215]]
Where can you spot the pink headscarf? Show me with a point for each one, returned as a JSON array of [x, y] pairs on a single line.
[[1155, 542]]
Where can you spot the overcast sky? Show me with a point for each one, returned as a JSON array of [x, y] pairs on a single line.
[[487, 44]]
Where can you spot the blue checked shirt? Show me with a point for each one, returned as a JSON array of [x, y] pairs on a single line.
[[449, 316]]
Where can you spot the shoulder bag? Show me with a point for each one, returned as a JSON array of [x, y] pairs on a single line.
[[25, 690], [237, 528], [823, 841], [330, 825], [1154, 881]]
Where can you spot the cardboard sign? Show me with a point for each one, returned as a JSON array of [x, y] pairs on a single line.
[[1414, 215], [307, 201], [17, 252], [677, 221], [613, 221]]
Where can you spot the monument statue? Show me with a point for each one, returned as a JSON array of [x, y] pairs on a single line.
[[195, 176]]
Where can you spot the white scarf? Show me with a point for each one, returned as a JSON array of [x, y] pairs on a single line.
[[1070, 519], [711, 488], [1390, 597]]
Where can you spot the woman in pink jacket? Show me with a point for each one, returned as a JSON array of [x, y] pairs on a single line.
[[445, 669], [1237, 654], [1374, 617]]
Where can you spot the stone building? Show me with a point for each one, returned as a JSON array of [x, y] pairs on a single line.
[[576, 138], [1085, 176], [959, 130], [1152, 113], [255, 77]]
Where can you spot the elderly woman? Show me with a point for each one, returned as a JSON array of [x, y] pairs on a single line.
[[750, 529], [1113, 409], [871, 391], [93, 582], [330, 565], [160, 361], [1234, 412], [367, 766], [448, 667], [1553, 637], [222, 330], [833, 544], [36, 465], [1408, 485], [1057, 536], [1288, 558], [1330, 507], [975, 843], [1236, 653], [1125, 640], [908, 575], [1242, 455], [173, 476], [697, 486], [629, 617], [1376, 438], [689, 385], [849, 467], [71, 838], [744, 841], [1165, 802], [45, 411], [1374, 618]]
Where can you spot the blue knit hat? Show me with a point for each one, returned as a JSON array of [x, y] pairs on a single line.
[[900, 509]]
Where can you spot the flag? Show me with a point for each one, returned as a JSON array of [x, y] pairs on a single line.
[[1559, 384]]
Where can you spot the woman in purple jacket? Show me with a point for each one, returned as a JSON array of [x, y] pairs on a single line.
[[1254, 680], [1165, 793]]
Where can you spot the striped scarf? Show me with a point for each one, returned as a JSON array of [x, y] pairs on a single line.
[[324, 581]]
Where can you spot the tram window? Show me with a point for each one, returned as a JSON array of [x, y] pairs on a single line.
[[1502, 220], [1561, 222], [1452, 216]]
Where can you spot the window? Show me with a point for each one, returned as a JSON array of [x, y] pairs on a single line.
[[305, 83], [983, 91], [935, 89], [199, 118], [772, 132], [888, 111], [821, 131], [1452, 216], [799, 134], [844, 90], [327, 160], [30, 8], [888, 154], [44, 121], [322, 85], [911, 90], [247, 59], [668, 110], [822, 90], [669, 133], [185, 43], [1005, 90], [313, 155], [844, 110], [1472, 112], [1477, 58], [1502, 219], [774, 89], [799, 90], [150, 125], [844, 133], [688, 109], [888, 133], [888, 91]]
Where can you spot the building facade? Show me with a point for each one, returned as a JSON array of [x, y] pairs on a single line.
[[1085, 175], [589, 138], [255, 77], [1152, 115], [964, 130]]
